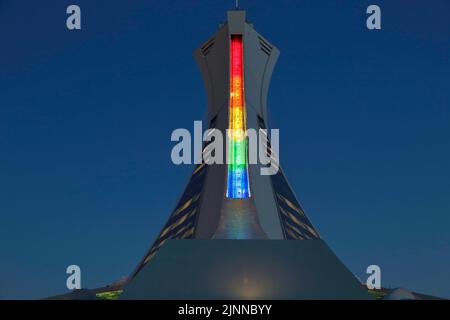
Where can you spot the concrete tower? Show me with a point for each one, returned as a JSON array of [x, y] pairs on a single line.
[[231, 219]]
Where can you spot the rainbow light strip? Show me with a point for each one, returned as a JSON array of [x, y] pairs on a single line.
[[238, 185]]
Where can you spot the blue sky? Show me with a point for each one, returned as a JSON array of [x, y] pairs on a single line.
[[86, 118]]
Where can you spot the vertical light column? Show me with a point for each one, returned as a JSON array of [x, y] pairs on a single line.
[[238, 185]]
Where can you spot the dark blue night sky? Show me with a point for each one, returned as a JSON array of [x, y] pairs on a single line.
[[86, 118]]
